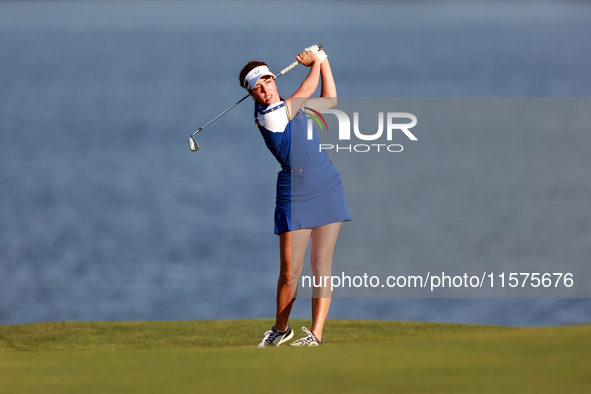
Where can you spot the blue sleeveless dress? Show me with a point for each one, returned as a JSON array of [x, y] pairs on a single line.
[[310, 191]]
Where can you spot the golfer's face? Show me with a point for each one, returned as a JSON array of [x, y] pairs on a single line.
[[265, 91]]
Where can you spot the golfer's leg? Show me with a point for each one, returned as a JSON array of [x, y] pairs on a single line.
[[324, 239], [292, 248]]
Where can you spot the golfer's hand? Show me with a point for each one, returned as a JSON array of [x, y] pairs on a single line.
[[307, 58], [318, 51]]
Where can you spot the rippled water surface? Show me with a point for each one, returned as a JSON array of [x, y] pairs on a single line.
[[105, 214]]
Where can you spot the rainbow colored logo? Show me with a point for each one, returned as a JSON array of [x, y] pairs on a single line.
[[315, 115]]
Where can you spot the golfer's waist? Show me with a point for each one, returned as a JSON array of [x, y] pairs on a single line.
[[306, 168]]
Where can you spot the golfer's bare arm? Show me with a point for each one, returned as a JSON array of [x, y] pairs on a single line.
[[328, 92], [307, 88]]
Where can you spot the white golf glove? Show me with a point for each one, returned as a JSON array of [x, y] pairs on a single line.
[[318, 51]]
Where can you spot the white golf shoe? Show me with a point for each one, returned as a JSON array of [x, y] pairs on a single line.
[[276, 338], [309, 340]]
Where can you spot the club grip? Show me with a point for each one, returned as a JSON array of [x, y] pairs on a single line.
[[292, 65], [286, 69]]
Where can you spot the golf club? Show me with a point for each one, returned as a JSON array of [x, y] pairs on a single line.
[[193, 144]]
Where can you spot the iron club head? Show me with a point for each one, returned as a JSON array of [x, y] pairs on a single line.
[[193, 144]]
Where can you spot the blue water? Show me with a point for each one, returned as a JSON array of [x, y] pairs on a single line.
[[105, 214]]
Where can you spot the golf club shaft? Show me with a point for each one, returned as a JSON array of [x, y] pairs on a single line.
[[286, 69], [217, 117]]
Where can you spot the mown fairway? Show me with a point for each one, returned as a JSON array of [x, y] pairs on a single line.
[[359, 356]]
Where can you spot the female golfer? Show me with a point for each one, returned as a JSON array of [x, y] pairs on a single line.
[[310, 199]]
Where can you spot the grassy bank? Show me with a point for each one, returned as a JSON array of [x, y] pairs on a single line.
[[359, 356]]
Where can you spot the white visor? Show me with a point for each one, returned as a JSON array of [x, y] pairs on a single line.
[[253, 76]]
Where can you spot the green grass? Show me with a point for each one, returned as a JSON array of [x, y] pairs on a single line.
[[359, 356], [203, 334]]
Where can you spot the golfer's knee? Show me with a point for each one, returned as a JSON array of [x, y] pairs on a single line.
[[285, 278], [322, 265]]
